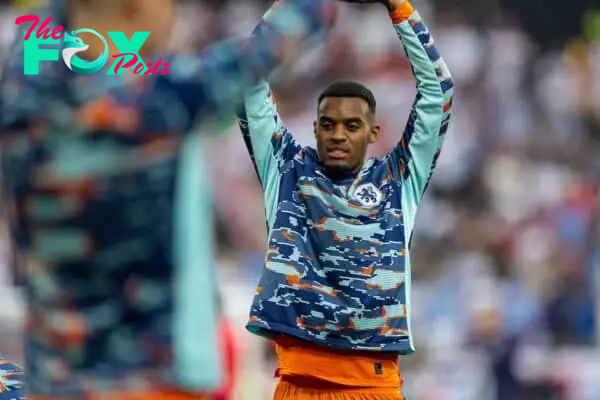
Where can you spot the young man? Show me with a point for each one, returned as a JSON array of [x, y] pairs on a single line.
[[335, 292], [111, 204]]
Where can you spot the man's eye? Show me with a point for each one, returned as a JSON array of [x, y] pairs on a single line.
[[352, 127]]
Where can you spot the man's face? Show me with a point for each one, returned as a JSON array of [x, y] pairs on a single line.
[[344, 129]]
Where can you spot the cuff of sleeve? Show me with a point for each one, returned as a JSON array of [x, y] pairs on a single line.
[[402, 13]]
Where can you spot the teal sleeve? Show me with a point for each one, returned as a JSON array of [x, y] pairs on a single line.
[[413, 159], [269, 143], [195, 319]]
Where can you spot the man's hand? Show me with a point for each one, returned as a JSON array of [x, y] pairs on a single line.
[[391, 5]]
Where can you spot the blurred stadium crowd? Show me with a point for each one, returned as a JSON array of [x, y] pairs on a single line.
[[512, 217]]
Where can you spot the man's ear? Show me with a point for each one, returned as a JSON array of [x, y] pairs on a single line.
[[374, 133], [315, 128]]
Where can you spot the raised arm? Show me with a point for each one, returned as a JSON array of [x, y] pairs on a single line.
[[413, 159], [269, 143], [228, 69], [197, 86]]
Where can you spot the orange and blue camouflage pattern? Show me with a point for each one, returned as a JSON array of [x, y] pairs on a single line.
[[95, 167], [12, 381], [337, 270]]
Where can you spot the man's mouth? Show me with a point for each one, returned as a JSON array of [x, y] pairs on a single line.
[[337, 154]]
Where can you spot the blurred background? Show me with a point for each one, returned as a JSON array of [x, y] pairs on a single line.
[[506, 250]]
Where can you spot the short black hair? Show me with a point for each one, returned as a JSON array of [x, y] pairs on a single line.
[[350, 89]]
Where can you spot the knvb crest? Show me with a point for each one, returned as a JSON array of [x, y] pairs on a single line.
[[368, 195]]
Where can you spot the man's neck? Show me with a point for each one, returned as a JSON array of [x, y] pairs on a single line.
[[340, 175]]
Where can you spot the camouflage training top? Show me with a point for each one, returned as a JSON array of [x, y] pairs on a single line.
[[337, 268]]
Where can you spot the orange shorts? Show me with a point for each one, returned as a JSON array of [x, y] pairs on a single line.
[[167, 394], [314, 372], [154, 395]]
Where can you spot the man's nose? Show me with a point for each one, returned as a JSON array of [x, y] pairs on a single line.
[[339, 134]]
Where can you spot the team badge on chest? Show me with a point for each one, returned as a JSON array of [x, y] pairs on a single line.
[[368, 195]]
